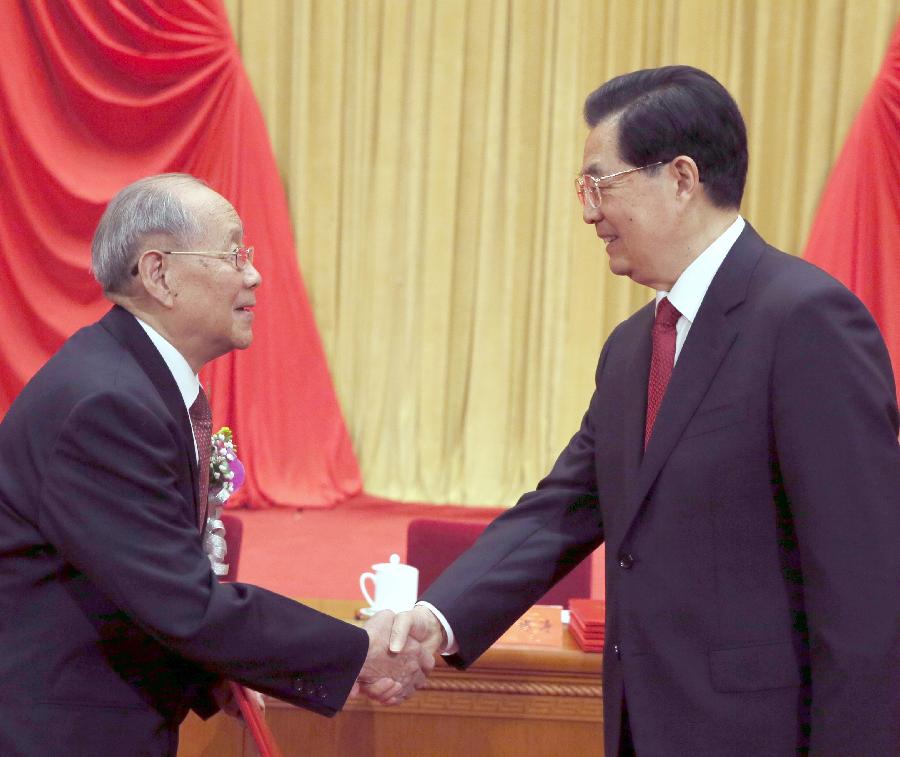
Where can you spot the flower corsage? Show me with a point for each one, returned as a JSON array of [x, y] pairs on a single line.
[[226, 475]]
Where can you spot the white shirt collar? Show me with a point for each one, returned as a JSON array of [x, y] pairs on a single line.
[[689, 290], [188, 381]]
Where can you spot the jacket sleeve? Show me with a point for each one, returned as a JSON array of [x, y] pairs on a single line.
[[111, 505], [523, 552], [835, 422]]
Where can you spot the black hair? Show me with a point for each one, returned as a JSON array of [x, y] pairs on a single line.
[[677, 110]]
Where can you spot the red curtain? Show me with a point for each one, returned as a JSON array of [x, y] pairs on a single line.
[[856, 232], [97, 93]]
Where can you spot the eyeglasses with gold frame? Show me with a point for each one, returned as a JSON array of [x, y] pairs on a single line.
[[588, 188], [240, 256]]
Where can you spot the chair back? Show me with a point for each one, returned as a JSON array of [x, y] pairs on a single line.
[[433, 544]]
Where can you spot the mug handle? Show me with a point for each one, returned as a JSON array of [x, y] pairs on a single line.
[[362, 587]]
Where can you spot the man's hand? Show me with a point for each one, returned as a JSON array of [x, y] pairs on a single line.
[[419, 624], [391, 675], [223, 695]]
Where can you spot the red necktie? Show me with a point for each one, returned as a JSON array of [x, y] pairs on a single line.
[[662, 361], [201, 421]]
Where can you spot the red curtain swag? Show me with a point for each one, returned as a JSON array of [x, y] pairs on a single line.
[[97, 93], [856, 232]]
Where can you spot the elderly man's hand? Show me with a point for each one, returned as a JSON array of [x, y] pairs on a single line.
[[224, 697], [391, 675]]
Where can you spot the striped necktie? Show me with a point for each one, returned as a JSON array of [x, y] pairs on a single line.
[[201, 422]]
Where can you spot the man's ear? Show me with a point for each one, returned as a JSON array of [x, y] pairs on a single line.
[[687, 176], [154, 275]]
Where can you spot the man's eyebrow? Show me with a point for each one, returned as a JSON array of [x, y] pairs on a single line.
[[592, 169], [236, 233]]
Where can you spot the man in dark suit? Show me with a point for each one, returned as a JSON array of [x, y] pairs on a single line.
[[739, 457], [112, 624]]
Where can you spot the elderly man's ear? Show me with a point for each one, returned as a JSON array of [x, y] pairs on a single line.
[[155, 277]]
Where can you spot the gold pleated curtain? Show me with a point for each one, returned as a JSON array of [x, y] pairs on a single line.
[[428, 148]]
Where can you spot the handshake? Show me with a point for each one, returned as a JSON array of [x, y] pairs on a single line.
[[401, 654]]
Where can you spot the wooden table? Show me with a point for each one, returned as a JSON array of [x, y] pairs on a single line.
[[514, 701]]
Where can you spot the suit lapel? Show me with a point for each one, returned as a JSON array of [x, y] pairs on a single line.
[[711, 336], [636, 377], [128, 332]]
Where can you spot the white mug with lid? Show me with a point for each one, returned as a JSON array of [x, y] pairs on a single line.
[[395, 585]]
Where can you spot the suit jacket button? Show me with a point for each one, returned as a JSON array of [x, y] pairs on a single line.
[[625, 560]]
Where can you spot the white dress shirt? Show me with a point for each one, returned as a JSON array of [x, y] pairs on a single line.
[[188, 382], [686, 295], [689, 290]]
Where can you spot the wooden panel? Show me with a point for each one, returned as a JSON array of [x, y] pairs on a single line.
[[514, 701], [220, 736]]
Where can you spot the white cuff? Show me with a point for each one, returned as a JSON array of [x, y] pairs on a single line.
[[451, 647]]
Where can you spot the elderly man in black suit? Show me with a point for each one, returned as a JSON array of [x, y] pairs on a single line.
[[112, 624], [739, 457]]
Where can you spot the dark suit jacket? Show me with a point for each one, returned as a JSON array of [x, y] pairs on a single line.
[[753, 550], [112, 624]]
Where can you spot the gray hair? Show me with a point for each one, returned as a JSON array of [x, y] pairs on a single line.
[[148, 206]]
